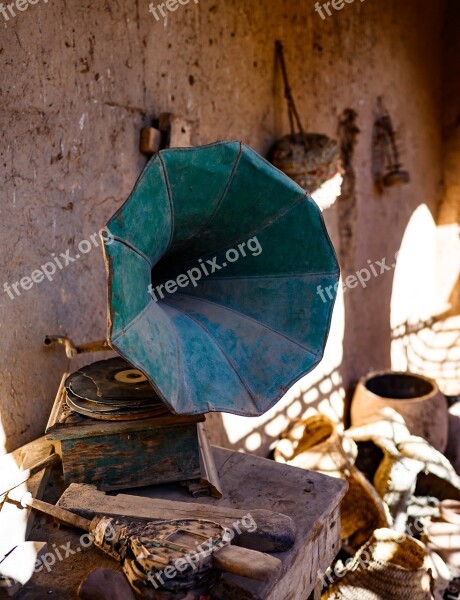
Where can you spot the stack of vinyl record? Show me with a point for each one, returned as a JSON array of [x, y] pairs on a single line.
[[112, 390]]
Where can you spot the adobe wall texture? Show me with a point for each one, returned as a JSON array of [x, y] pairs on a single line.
[[78, 80]]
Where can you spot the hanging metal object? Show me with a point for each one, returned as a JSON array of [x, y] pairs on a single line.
[[213, 264], [386, 159]]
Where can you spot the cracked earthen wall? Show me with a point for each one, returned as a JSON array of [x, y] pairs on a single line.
[[78, 80]]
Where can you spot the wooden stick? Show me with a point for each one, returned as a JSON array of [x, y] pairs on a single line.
[[275, 532], [58, 513]]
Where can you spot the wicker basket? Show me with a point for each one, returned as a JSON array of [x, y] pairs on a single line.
[[405, 456], [316, 445], [391, 566], [310, 159]]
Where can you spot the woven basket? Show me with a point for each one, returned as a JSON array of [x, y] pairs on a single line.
[[310, 159], [405, 456], [316, 445], [391, 566]]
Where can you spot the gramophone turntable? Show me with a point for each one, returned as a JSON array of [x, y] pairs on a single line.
[[234, 342]]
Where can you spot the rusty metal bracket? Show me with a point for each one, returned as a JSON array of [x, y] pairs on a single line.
[[71, 350]]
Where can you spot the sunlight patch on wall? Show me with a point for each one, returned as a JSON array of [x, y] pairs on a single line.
[[424, 306], [414, 291]]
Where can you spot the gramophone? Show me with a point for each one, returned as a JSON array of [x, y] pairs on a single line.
[[213, 266]]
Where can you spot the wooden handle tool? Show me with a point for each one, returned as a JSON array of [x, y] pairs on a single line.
[[232, 559], [246, 563], [270, 531]]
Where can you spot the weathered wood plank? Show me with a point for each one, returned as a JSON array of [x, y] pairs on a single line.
[[310, 499]]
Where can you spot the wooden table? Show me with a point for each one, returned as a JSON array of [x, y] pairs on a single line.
[[310, 499]]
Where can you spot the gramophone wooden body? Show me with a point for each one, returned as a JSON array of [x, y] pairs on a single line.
[[123, 454]]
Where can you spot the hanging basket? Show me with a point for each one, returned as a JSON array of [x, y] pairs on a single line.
[[310, 159]]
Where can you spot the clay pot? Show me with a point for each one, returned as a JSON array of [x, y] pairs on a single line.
[[416, 398]]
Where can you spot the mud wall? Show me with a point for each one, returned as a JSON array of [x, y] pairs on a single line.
[[79, 79]]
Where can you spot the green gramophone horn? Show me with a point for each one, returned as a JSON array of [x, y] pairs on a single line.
[[214, 263]]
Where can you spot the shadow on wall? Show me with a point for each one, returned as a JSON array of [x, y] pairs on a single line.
[[258, 434], [431, 348]]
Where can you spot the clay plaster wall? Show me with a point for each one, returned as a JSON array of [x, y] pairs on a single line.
[[79, 79]]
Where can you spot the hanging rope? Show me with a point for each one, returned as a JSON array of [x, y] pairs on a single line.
[[292, 110]]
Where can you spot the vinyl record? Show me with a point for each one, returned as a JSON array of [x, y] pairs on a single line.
[[87, 409], [111, 381], [80, 383], [112, 390], [102, 408]]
